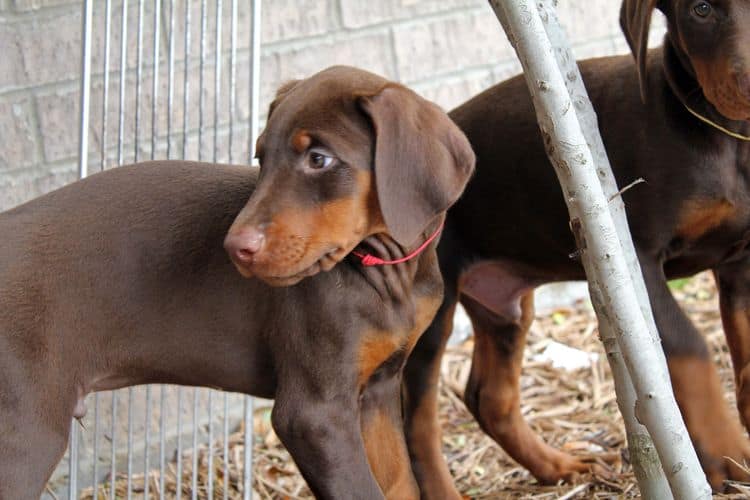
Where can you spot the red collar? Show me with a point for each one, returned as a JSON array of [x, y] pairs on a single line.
[[371, 260]]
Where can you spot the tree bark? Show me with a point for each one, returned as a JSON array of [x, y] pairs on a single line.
[[643, 457], [621, 302]]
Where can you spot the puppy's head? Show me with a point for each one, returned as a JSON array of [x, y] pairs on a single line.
[[345, 154], [712, 38]]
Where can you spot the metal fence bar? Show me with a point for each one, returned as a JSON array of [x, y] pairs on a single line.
[[194, 478], [217, 78], [232, 105], [210, 458], [129, 481], [247, 475], [232, 78], [162, 441], [185, 121], [217, 101], [147, 443], [201, 96], [155, 79], [123, 76], [201, 125], [254, 77], [254, 119], [162, 426], [80, 442], [178, 494], [102, 165], [82, 172], [105, 84], [73, 460], [120, 160], [170, 79], [83, 144], [225, 469], [136, 145], [138, 81], [186, 83], [113, 454], [95, 471], [154, 107]]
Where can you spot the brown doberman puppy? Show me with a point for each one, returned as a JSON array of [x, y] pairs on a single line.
[[509, 232], [122, 279]]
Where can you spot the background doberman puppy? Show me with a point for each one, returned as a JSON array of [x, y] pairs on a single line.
[[121, 279], [509, 232]]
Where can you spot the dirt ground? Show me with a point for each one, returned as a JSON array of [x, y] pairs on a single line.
[[574, 410]]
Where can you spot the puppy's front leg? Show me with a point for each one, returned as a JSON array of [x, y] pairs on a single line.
[[322, 432], [383, 432]]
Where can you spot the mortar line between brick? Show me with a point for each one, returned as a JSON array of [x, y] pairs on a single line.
[[421, 18], [466, 73], [41, 13], [344, 34], [56, 166], [490, 66], [94, 154], [68, 84], [341, 34]]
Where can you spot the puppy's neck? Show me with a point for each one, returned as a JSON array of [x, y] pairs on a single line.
[[394, 282]]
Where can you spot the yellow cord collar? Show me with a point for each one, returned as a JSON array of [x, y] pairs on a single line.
[[716, 125]]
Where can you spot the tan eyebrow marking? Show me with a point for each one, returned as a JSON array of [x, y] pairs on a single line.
[[301, 140]]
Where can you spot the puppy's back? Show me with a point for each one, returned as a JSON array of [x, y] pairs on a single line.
[[127, 223]]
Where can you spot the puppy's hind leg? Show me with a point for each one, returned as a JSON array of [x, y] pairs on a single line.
[[501, 321], [716, 434], [733, 282]]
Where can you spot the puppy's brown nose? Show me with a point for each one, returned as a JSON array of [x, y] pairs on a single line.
[[244, 244]]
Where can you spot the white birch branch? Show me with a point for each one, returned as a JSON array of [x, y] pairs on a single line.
[[597, 237], [643, 457]]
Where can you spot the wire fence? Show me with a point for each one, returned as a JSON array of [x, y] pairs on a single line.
[[164, 79]]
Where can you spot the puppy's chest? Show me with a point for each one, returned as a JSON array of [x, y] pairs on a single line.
[[388, 348], [711, 230], [715, 196]]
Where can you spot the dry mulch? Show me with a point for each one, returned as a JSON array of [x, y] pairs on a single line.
[[572, 410]]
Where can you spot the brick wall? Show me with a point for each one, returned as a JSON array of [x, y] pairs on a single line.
[[447, 50]]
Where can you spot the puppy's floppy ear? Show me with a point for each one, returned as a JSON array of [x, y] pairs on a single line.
[[635, 21], [422, 160]]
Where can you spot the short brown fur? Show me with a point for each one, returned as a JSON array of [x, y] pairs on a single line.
[[130, 277], [691, 214]]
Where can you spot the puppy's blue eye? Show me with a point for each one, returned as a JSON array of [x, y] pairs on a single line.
[[702, 9], [319, 160]]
